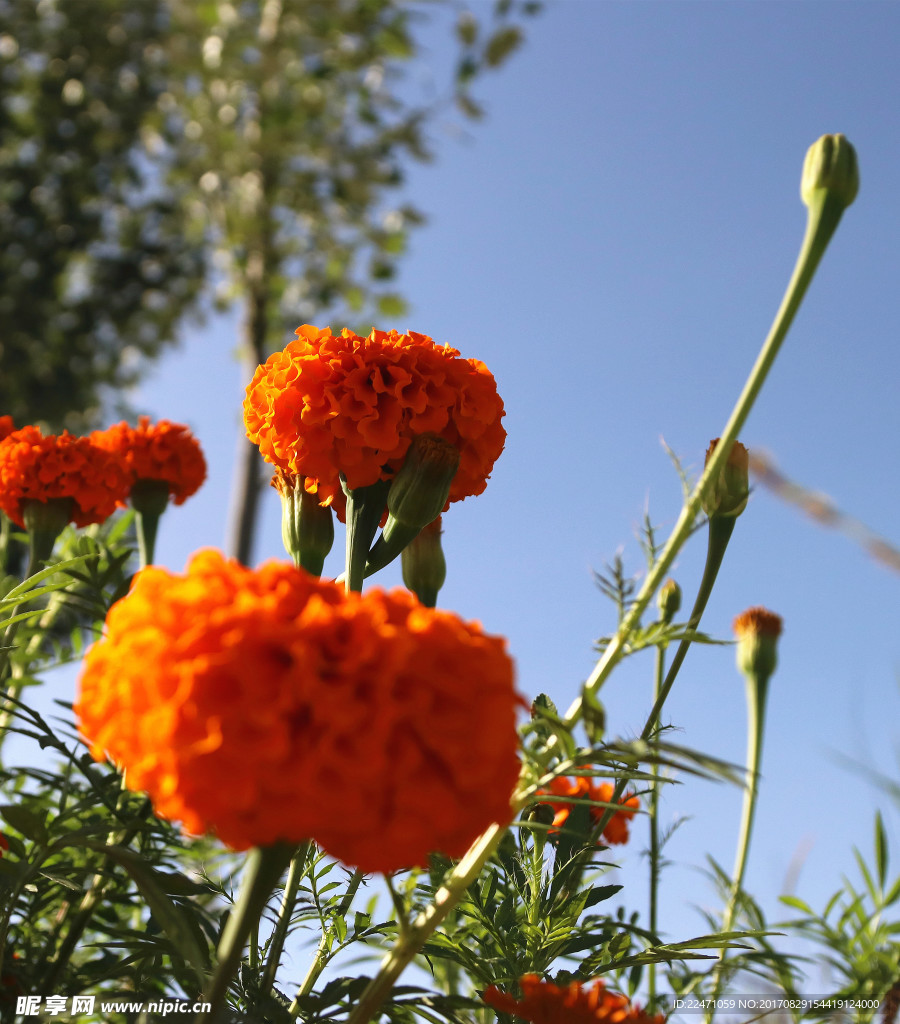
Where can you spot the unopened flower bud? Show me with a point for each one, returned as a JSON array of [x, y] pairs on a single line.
[[728, 494], [830, 167], [757, 631], [307, 528], [668, 600], [423, 563], [420, 489]]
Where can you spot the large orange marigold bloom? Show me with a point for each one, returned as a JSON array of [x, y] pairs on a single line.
[[331, 404], [545, 1003], [580, 787], [38, 468], [162, 451], [267, 705]]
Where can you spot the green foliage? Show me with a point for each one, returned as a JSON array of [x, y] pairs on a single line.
[[95, 269], [149, 149], [858, 932]]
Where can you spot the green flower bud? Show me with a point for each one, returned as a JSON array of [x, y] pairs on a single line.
[[728, 494], [417, 496], [423, 564], [830, 167], [420, 489], [757, 630], [307, 528], [668, 600]]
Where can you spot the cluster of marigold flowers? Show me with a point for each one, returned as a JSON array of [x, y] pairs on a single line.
[[95, 475], [543, 1002], [584, 789], [264, 705]]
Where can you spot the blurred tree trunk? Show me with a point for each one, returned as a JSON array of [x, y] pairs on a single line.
[[248, 482]]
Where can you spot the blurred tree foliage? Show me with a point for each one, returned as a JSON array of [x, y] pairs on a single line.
[[149, 148], [95, 271]]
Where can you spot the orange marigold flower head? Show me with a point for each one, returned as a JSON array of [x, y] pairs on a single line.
[[38, 468], [267, 705], [162, 451], [580, 787], [340, 404], [543, 1002]]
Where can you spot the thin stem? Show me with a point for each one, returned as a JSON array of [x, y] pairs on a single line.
[[720, 531], [285, 912], [756, 713], [821, 223], [658, 672], [146, 527], [320, 959], [263, 869], [365, 506]]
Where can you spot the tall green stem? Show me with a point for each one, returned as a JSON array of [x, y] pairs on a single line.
[[285, 912], [824, 214], [720, 531], [757, 692], [365, 506], [263, 869], [659, 669]]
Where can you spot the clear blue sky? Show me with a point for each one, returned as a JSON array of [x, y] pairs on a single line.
[[613, 241]]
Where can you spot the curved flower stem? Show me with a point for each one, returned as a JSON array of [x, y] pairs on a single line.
[[822, 220], [658, 672], [720, 531], [289, 898], [263, 869], [450, 893], [320, 959], [757, 692]]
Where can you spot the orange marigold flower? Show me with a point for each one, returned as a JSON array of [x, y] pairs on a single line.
[[581, 787], [267, 705], [543, 1002], [340, 404], [163, 451], [6, 427], [38, 468]]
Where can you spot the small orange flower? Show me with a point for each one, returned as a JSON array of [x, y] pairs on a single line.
[[340, 404], [581, 787], [268, 705], [6, 427], [38, 468], [545, 1003], [162, 451]]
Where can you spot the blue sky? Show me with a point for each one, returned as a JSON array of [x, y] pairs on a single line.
[[613, 241]]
